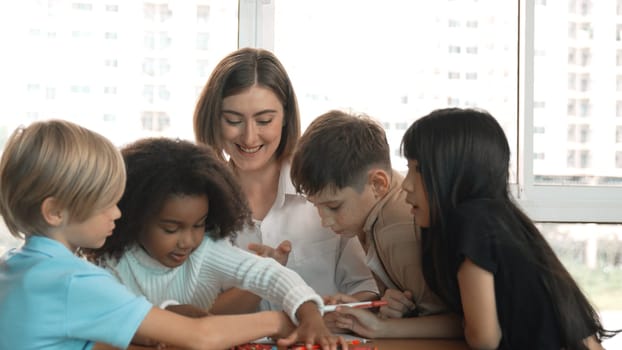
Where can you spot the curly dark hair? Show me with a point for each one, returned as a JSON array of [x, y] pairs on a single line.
[[158, 168]]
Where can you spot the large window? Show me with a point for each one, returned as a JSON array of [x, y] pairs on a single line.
[[548, 70]]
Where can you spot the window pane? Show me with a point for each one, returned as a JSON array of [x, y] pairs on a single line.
[[127, 69], [592, 253], [397, 60], [577, 45]]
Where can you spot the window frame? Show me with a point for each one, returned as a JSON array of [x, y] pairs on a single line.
[[543, 203]]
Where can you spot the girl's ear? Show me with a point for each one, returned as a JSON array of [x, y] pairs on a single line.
[[51, 211], [380, 182]]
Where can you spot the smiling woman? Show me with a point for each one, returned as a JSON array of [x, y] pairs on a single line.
[[248, 112], [251, 123]]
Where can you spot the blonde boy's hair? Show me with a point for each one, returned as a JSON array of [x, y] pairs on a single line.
[[82, 170]]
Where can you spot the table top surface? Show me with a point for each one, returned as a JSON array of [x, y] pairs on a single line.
[[388, 344]]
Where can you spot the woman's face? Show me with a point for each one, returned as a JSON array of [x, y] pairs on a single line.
[[177, 230], [252, 125], [416, 194]]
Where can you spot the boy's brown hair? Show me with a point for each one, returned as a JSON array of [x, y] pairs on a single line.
[[336, 151]]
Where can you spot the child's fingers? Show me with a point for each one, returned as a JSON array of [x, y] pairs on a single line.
[[260, 249], [399, 303], [289, 340], [285, 247]]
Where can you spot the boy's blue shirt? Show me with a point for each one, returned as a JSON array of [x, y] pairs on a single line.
[[52, 299]]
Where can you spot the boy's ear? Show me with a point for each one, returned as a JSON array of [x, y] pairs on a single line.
[[52, 212], [380, 182]]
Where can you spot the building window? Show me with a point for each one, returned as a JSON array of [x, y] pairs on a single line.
[[619, 134], [572, 55], [80, 6], [149, 11], [110, 90], [571, 133], [165, 40], [453, 75], [401, 126], [109, 117], [585, 83], [111, 63], [155, 121], [203, 13], [585, 7], [149, 40], [149, 66], [584, 133], [586, 159], [164, 94], [454, 49], [572, 81], [203, 68], [572, 30], [572, 107], [80, 89], [471, 50], [586, 57], [585, 108], [202, 41], [148, 93], [161, 12], [471, 24], [570, 159], [165, 12], [50, 93]]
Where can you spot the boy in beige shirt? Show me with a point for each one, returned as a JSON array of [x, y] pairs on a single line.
[[342, 165]]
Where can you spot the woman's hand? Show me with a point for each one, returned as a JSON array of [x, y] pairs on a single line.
[[280, 253], [399, 304]]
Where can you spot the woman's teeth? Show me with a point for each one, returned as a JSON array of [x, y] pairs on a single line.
[[250, 150]]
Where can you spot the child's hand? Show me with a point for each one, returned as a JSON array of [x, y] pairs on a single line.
[[312, 330], [339, 298], [280, 254], [399, 303], [287, 327], [330, 318], [360, 321]]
